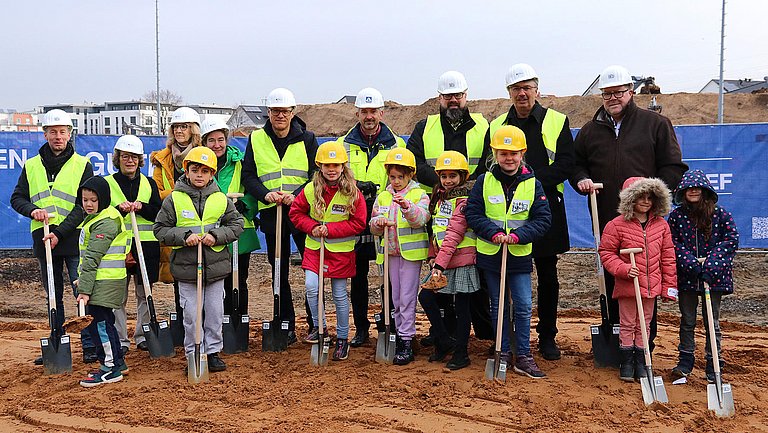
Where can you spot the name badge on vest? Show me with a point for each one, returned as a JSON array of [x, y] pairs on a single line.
[[187, 214], [446, 208], [384, 210], [518, 206], [496, 199], [338, 209], [442, 222]]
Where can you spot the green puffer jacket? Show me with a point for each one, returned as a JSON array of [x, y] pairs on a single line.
[[248, 241], [104, 293], [216, 265]]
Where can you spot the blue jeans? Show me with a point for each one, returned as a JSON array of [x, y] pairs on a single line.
[[519, 286], [340, 299], [71, 262]]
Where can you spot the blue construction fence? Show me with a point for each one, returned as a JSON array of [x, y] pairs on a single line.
[[734, 157]]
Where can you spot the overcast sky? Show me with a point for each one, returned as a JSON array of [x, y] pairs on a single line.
[[232, 52]]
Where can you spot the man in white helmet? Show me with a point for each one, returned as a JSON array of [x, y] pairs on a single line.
[[275, 169], [550, 154], [621, 141], [47, 189], [367, 143]]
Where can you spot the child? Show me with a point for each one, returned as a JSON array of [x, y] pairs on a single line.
[[180, 226], [332, 207], [508, 210], [102, 278], [700, 228], [643, 202], [453, 249], [404, 207]]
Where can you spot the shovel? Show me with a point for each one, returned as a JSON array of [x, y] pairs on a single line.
[[57, 353], [605, 337], [651, 386], [197, 364], [235, 327], [274, 337], [496, 368], [385, 343], [157, 333], [319, 353], [77, 324]]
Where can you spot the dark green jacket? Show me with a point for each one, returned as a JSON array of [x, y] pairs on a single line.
[[104, 293], [248, 241]]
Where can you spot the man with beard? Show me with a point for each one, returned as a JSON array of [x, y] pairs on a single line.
[[455, 128], [550, 154]]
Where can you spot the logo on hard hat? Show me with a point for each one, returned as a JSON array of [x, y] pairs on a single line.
[[399, 157], [611, 75], [451, 84], [507, 140], [204, 157], [447, 161], [369, 99], [332, 154]]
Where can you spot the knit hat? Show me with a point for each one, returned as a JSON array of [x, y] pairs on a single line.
[[635, 187], [100, 186], [694, 179]]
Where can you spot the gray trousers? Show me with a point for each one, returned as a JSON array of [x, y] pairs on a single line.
[[213, 313], [689, 303], [142, 314]]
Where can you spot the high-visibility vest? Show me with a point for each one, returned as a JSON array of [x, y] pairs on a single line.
[[434, 141], [413, 242], [508, 219], [365, 171], [186, 214], [550, 131], [236, 186], [145, 192], [112, 264], [335, 211], [440, 220], [59, 197], [285, 175]]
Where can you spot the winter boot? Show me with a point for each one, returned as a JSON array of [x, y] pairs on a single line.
[[684, 366], [639, 355], [709, 369], [405, 355], [443, 346], [549, 349], [627, 364], [459, 360], [215, 363]]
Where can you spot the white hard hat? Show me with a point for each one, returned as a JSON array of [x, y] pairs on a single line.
[[615, 75], [451, 82], [520, 72], [57, 118], [281, 98], [130, 143], [211, 124], [185, 115], [369, 98]]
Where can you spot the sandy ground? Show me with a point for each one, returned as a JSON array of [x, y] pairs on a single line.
[[281, 392]]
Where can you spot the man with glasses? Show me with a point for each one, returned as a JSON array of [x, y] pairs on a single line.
[[550, 154], [279, 160], [621, 141]]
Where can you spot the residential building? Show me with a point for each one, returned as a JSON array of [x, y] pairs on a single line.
[[246, 119], [13, 121], [746, 85]]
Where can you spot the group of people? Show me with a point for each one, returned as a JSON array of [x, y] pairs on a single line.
[[471, 198]]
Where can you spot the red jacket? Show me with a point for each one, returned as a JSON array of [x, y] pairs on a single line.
[[449, 257], [337, 265]]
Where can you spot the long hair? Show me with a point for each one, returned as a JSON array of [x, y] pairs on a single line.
[[701, 212], [347, 187], [439, 193], [194, 141]]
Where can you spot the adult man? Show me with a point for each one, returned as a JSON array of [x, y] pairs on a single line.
[[47, 190], [367, 143], [621, 141], [454, 128], [275, 168], [550, 154]]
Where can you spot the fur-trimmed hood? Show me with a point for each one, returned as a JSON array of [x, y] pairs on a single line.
[[635, 187]]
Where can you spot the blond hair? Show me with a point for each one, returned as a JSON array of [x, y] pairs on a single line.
[[347, 187], [194, 141]]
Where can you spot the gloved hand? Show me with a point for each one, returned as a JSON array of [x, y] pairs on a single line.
[[367, 188], [241, 207], [706, 276]]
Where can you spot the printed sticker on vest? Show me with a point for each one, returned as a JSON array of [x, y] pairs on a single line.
[[442, 222], [187, 214], [518, 206], [383, 210], [496, 199], [338, 209], [446, 208]]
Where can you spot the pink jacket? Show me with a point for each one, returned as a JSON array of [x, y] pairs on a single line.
[[417, 215], [449, 257]]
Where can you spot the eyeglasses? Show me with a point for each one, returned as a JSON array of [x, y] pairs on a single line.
[[277, 112], [518, 89], [182, 126], [449, 96], [129, 157], [617, 94]]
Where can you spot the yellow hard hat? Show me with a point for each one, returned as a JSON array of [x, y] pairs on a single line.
[[451, 160], [401, 156], [509, 137], [331, 152], [201, 155]]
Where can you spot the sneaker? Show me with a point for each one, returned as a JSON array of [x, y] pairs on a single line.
[[341, 352], [38, 360], [678, 373], [142, 346], [360, 338], [548, 349], [314, 336], [527, 366], [89, 355], [215, 363], [101, 377], [122, 366]]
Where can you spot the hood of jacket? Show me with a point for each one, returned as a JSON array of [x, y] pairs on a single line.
[[100, 186], [184, 185], [634, 187], [385, 140], [694, 179]]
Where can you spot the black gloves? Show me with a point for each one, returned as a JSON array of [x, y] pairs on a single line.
[[367, 188], [241, 207]]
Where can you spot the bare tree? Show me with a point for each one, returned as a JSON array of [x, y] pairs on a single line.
[[166, 97]]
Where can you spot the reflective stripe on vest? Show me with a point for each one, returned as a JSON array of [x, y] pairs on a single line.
[[236, 186], [434, 141], [145, 193], [287, 174], [550, 131], [441, 218], [413, 242], [337, 210], [57, 198], [112, 264], [186, 215], [364, 170], [508, 219]]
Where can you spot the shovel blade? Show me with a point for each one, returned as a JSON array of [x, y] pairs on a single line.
[[653, 391], [177, 329], [197, 367], [496, 371], [236, 332], [273, 337], [605, 347], [57, 355], [385, 348], [723, 408], [318, 356], [159, 339]]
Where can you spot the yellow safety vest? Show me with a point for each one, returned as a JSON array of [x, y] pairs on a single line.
[[434, 141], [365, 171], [550, 131], [509, 218], [285, 175], [59, 197], [236, 186], [413, 242], [186, 214], [336, 210], [440, 220], [112, 264], [145, 192]]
